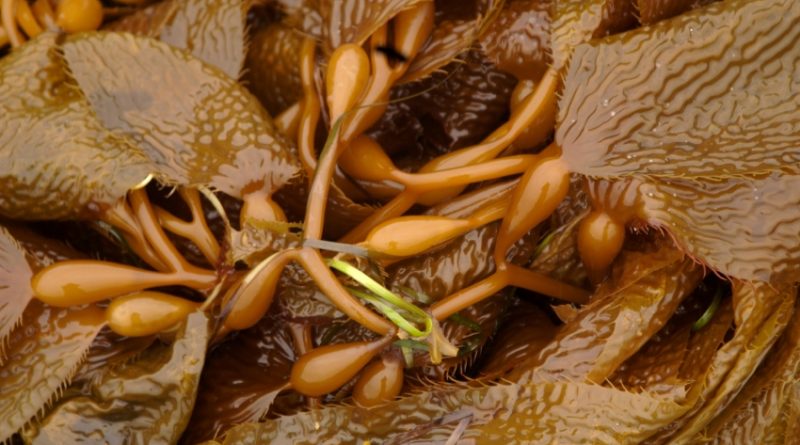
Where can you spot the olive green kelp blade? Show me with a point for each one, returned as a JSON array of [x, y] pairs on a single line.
[[58, 161], [212, 31], [15, 285], [147, 401], [708, 94], [42, 355], [197, 125], [546, 412]]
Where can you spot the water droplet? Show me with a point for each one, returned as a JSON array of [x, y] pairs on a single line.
[[605, 102], [613, 113]]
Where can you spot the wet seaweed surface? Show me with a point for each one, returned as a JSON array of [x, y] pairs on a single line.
[[399, 221]]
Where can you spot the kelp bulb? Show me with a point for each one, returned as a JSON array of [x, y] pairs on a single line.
[[146, 313]]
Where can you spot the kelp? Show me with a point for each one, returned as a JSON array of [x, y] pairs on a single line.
[[565, 413], [644, 291], [630, 86], [446, 111], [59, 160], [15, 290], [577, 21], [242, 378], [236, 155], [41, 351], [337, 23], [272, 67], [675, 143], [651, 11], [458, 27], [42, 355], [618, 122], [763, 400], [518, 40], [148, 400], [214, 32], [523, 331]]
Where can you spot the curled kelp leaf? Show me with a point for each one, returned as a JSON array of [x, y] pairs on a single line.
[[214, 32], [578, 21], [108, 350], [522, 333], [337, 22], [698, 96], [761, 313], [150, 398], [58, 160], [458, 27], [242, 378], [214, 134], [763, 401], [41, 357], [565, 412], [625, 312], [672, 357]]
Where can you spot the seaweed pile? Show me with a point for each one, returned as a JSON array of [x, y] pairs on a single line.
[[399, 221]]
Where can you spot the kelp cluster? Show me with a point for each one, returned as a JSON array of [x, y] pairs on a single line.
[[399, 221]]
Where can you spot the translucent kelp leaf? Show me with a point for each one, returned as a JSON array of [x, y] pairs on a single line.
[[15, 284], [58, 160], [578, 21], [214, 32], [538, 412], [763, 400], [457, 28], [705, 94], [42, 355], [147, 401], [742, 227], [273, 67], [197, 125], [242, 378], [639, 298], [518, 40]]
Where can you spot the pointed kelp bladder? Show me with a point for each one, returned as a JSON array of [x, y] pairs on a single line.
[[438, 175]]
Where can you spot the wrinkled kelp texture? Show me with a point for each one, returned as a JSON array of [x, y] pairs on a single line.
[[686, 128]]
